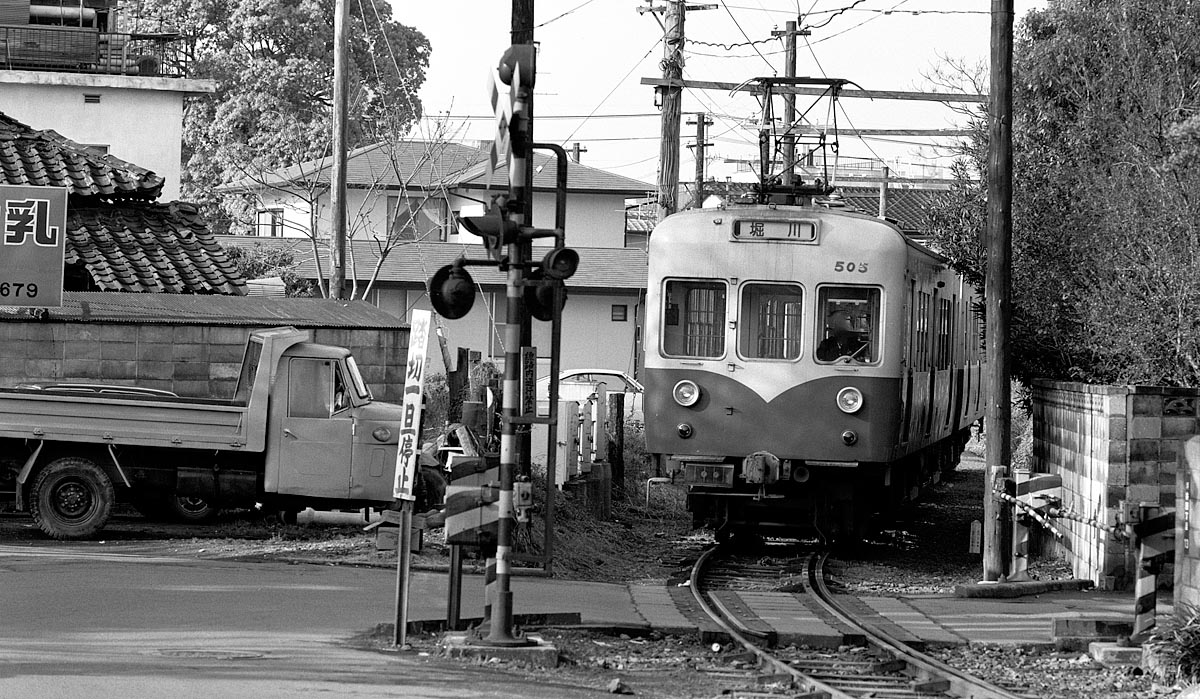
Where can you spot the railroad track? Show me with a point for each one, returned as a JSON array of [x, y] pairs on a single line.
[[867, 663]]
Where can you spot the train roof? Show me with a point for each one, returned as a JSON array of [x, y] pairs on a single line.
[[784, 211]]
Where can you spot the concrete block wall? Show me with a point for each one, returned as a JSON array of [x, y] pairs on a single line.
[[200, 361], [1116, 447]]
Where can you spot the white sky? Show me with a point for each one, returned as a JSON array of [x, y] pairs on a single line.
[[594, 53]]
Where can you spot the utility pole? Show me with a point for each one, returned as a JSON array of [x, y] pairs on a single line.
[[998, 425], [577, 150], [702, 123], [671, 100], [789, 102], [672, 106], [338, 185]]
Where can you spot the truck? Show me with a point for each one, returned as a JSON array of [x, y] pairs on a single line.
[[301, 430]]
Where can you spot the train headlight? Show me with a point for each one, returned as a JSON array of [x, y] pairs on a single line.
[[849, 400], [686, 393]]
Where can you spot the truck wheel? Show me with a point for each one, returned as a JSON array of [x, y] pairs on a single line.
[[72, 498], [190, 509]]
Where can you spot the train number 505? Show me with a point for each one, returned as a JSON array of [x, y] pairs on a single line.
[[842, 266]]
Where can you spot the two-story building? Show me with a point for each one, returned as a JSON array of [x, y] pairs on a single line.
[[402, 200]]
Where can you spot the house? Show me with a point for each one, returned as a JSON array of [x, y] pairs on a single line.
[[404, 196], [68, 67]]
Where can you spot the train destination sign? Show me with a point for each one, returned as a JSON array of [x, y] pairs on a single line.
[[797, 231], [32, 245]]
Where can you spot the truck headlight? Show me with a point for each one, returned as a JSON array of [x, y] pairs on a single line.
[[849, 400]]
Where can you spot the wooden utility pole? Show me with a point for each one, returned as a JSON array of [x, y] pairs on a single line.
[[998, 425], [789, 34], [338, 185], [702, 123], [577, 150], [672, 107], [669, 97]]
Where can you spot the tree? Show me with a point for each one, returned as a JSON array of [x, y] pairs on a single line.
[[1106, 194], [273, 64]]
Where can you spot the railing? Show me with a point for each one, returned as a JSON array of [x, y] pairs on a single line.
[[86, 50]]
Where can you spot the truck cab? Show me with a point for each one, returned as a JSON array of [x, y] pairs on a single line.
[[327, 437]]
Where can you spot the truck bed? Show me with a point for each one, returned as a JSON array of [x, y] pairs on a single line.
[[183, 423]]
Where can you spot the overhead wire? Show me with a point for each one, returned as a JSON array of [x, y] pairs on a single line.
[[614, 89], [743, 31]]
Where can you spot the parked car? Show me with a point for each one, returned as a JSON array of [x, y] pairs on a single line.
[[576, 384]]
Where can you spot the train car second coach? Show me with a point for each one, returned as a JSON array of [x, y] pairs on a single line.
[[807, 367]]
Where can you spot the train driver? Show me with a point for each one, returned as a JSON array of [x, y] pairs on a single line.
[[843, 339]]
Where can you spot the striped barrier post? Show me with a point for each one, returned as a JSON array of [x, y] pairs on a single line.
[[1034, 495], [1155, 534], [472, 515]]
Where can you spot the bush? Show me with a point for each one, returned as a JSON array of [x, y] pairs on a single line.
[[1172, 653]]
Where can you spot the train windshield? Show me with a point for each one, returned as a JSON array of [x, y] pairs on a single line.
[[693, 318], [849, 329], [769, 325]]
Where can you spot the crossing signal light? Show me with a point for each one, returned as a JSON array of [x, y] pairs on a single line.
[[560, 263], [519, 61], [494, 227], [540, 294], [452, 291]]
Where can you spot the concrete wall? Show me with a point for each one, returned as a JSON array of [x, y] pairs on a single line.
[[191, 360], [1116, 447]]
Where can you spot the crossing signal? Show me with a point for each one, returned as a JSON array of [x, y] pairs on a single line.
[[560, 263], [494, 227], [452, 291], [540, 294]]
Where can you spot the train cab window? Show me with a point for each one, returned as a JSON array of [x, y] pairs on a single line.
[[693, 318], [849, 324], [769, 324]]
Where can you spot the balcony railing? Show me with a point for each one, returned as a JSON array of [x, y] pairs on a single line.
[[84, 50]]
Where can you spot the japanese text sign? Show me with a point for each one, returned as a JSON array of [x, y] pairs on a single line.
[[33, 237], [409, 449]]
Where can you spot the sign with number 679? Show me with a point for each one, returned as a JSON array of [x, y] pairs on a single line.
[[33, 235]]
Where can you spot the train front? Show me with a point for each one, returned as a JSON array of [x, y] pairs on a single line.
[[773, 337]]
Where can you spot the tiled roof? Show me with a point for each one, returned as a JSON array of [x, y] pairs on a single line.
[[150, 248], [180, 309], [44, 158], [431, 165], [580, 178], [423, 164], [906, 207], [599, 268]]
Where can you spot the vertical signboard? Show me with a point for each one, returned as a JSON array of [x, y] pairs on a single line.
[[33, 238], [410, 425]]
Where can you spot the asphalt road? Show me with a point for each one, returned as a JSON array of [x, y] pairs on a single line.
[[83, 620]]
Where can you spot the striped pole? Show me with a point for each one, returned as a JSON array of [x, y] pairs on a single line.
[[500, 633], [1019, 566], [1145, 598], [1155, 533]]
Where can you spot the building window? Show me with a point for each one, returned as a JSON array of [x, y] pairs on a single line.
[[269, 223], [620, 313], [416, 218]]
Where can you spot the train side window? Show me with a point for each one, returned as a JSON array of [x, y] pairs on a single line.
[[693, 318], [769, 325], [849, 324]]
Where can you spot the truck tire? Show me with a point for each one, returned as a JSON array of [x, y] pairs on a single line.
[[72, 498], [191, 510]]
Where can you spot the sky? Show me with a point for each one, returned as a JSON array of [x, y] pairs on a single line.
[[594, 53]]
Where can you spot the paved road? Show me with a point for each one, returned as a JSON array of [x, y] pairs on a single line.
[[80, 621]]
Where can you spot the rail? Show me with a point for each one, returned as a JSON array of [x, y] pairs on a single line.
[[88, 50]]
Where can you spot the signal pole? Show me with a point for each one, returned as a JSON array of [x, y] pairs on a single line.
[[998, 420]]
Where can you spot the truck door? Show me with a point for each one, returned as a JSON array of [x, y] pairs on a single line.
[[314, 436]]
